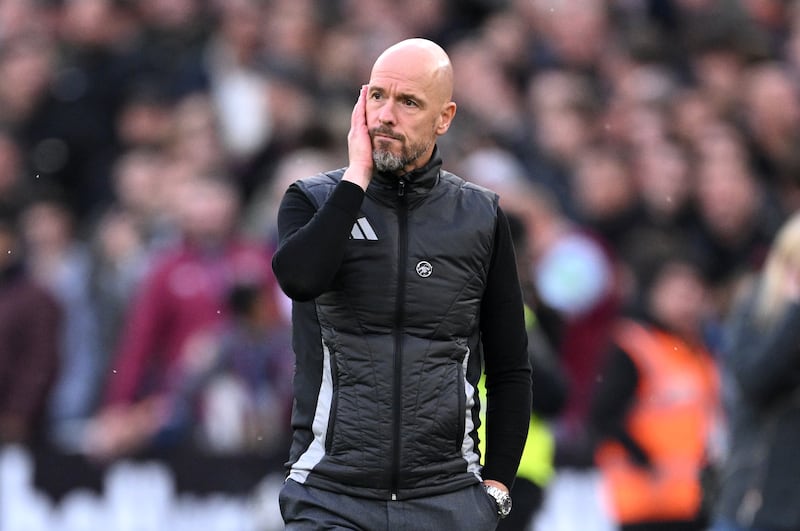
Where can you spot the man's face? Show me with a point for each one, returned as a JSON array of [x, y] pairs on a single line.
[[679, 298], [404, 113]]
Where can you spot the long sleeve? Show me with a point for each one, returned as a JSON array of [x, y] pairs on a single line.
[[38, 320], [312, 242], [611, 400], [508, 371]]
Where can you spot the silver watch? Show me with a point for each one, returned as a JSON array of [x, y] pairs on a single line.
[[501, 498]]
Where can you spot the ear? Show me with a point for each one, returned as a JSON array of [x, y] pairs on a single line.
[[446, 118]]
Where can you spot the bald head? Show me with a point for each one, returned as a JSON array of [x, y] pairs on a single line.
[[408, 104], [420, 60]]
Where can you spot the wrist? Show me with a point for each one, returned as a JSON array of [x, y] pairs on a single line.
[[359, 177], [494, 483], [499, 493]]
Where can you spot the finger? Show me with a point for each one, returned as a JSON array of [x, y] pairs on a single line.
[[358, 118]]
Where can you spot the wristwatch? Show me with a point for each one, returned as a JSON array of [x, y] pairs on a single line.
[[501, 498]]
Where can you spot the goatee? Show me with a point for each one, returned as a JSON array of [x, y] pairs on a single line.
[[386, 161]]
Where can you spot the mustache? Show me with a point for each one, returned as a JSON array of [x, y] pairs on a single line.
[[385, 131]]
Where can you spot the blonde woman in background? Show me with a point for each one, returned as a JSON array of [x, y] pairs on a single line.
[[759, 481]]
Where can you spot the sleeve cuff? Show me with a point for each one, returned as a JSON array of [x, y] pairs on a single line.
[[347, 196]]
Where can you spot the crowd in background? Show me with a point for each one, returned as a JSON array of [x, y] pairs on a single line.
[[145, 145]]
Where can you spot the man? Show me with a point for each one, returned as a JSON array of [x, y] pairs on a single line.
[[404, 283], [183, 294], [30, 324]]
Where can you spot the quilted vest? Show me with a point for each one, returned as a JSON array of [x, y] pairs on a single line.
[[388, 358]]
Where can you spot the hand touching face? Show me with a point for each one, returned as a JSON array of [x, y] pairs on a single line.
[[359, 144]]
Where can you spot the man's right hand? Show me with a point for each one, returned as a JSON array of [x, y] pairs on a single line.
[[359, 144]]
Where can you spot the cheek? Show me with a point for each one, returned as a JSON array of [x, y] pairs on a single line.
[[427, 131]]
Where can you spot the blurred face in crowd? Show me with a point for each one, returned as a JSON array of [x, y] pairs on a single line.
[[241, 25], [559, 100], [678, 298], [480, 71], [29, 62], [89, 22], [46, 224], [603, 186], [727, 191], [170, 14], [663, 178], [208, 210], [408, 105], [771, 101]]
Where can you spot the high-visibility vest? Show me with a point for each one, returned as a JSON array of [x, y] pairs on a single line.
[[671, 418], [536, 463]]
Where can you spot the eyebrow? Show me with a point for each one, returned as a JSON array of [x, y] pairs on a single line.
[[402, 95], [408, 96]]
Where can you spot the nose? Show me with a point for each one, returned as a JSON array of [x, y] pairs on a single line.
[[386, 113]]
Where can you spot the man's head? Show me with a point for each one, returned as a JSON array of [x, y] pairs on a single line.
[[409, 104], [208, 207]]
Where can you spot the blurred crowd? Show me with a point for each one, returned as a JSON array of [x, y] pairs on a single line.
[[146, 144]]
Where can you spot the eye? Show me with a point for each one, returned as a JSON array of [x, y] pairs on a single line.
[[375, 95], [408, 102]]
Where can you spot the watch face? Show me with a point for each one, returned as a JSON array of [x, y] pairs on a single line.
[[502, 500], [504, 506]]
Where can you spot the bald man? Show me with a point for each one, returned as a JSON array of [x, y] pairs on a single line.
[[404, 290]]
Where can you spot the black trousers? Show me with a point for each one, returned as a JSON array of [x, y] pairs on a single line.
[[307, 508]]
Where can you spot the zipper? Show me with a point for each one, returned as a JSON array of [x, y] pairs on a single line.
[[402, 252]]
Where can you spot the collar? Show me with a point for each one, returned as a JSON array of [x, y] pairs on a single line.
[[413, 184]]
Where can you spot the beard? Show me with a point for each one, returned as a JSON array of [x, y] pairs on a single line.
[[387, 162]]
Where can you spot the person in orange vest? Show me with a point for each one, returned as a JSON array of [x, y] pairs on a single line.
[[656, 402]]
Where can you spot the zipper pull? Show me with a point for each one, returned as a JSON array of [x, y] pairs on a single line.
[[401, 188]]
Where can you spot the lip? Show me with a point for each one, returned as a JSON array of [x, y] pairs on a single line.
[[385, 135]]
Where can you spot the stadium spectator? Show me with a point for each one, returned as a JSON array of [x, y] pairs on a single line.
[[60, 262], [656, 403], [756, 480], [30, 328], [183, 292]]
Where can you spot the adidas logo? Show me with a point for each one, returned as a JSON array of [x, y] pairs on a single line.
[[362, 230]]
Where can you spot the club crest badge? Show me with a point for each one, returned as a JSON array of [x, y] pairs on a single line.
[[424, 269]]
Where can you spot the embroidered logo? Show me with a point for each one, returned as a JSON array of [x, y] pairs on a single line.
[[362, 230], [424, 269]]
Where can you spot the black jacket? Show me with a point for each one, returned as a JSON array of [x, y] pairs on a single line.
[[389, 325], [760, 478]]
